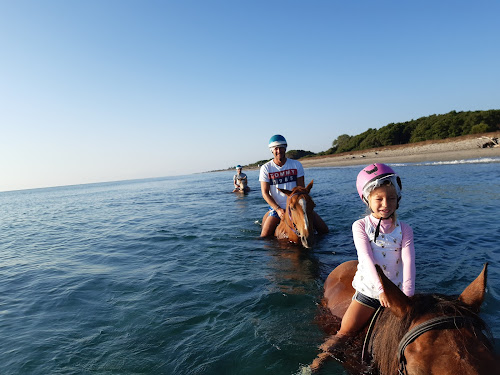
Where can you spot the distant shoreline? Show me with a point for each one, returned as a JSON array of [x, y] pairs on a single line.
[[460, 148]]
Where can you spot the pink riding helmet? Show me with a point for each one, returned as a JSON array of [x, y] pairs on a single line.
[[373, 176]]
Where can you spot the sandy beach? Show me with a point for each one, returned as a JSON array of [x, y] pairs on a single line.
[[460, 148]]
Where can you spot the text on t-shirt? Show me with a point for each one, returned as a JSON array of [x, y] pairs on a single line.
[[283, 177]]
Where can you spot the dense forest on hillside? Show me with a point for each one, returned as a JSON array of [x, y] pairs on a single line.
[[450, 125]]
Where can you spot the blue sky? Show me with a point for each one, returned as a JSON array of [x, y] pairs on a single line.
[[109, 90]]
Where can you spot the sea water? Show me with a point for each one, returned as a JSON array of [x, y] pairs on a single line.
[[169, 275]]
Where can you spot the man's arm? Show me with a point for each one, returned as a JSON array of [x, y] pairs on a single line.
[[264, 188], [300, 181]]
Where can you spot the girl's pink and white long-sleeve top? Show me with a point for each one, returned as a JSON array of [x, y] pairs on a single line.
[[393, 251]]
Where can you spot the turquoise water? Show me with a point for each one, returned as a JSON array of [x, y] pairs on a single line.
[[168, 276]]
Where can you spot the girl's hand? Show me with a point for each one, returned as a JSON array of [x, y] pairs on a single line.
[[383, 300]]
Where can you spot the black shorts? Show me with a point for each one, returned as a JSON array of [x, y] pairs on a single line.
[[366, 301]]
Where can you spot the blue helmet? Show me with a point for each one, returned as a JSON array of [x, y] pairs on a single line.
[[277, 140], [238, 166]]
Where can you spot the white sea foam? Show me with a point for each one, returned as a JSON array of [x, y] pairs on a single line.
[[452, 162], [303, 370]]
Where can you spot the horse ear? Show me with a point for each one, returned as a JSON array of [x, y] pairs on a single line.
[[473, 295], [286, 192], [399, 302], [309, 187]]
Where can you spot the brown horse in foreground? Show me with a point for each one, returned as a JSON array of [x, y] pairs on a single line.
[[297, 224], [423, 334]]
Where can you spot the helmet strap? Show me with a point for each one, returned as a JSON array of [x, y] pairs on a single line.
[[377, 229]]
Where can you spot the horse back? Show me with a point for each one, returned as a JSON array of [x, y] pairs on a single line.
[[338, 288]]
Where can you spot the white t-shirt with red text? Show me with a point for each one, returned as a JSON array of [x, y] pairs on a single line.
[[284, 177]]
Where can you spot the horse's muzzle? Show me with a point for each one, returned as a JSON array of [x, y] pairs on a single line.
[[307, 242]]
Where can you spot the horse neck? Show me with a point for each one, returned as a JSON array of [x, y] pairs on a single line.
[[385, 341]]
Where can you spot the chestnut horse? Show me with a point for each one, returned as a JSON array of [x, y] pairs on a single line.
[[423, 334], [297, 225], [243, 187]]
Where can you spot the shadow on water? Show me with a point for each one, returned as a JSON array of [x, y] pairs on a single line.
[[294, 267]]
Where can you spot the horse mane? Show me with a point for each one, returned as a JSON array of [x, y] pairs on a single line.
[[386, 341], [298, 190]]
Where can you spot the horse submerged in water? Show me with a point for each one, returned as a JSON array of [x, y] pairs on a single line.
[[424, 334], [242, 187], [297, 225]]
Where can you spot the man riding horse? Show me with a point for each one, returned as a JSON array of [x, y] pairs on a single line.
[[281, 173]]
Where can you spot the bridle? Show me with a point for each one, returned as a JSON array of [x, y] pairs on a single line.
[[440, 322], [294, 228]]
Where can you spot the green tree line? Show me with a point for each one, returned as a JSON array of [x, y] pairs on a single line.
[[449, 125]]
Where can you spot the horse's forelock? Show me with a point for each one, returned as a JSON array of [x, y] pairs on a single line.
[[299, 192]]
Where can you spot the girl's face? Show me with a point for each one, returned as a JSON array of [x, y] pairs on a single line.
[[383, 201]]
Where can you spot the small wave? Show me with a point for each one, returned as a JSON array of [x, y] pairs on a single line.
[[452, 162]]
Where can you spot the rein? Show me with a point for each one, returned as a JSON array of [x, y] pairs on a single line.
[[441, 322], [367, 344], [294, 228]]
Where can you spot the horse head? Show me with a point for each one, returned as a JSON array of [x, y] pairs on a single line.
[[243, 184], [298, 220], [433, 334]]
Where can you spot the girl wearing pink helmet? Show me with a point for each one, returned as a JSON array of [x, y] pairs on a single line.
[[380, 238]]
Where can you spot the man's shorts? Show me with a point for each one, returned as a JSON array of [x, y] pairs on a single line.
[[273, 213], [366, 301]]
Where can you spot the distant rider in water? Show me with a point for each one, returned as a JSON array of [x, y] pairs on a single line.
[[240, 180]]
